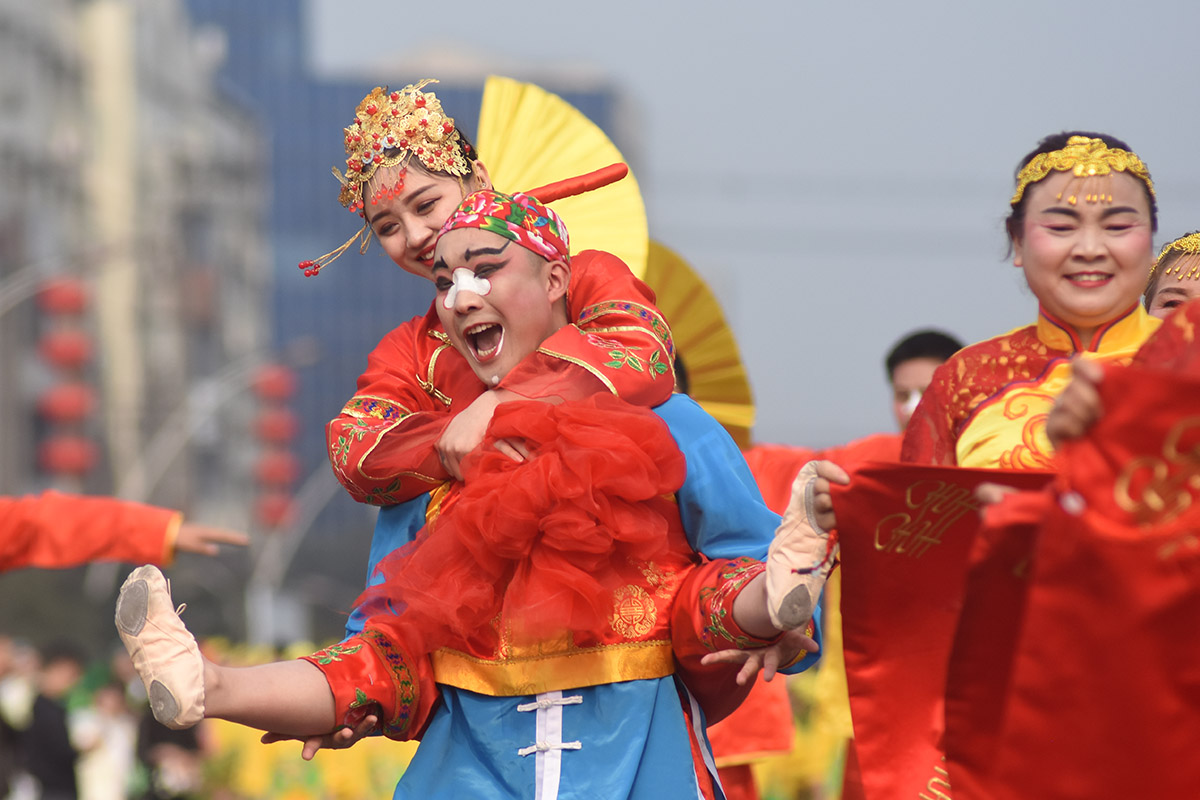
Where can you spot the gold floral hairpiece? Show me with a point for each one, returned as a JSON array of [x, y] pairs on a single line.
[[389, 129], [1181, 257], [1086, 157]]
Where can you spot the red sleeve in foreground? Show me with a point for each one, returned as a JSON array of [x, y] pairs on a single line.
[[54, 531]]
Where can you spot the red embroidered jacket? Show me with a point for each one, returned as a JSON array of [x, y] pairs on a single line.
[[381, 446]]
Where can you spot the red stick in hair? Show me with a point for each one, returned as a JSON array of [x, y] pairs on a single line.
[[580, 183]]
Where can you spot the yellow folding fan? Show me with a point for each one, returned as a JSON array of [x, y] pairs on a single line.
[[529, 137], [716, 376]]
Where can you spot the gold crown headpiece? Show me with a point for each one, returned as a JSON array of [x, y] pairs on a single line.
[[389, 129], [1086, 157], [1181, 257]]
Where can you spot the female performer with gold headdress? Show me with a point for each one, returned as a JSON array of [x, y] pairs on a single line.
[[1081, 225], [419, 409], [1175, 276]]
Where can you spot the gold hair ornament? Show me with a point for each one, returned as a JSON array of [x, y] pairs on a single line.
[[389, 129], [1183, 256], [1086, 158]]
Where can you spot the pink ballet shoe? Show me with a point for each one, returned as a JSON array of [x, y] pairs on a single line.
[[164, 653], [800, 558]]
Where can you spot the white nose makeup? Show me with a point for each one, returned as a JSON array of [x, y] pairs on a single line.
[[465, 280], [914, 399]]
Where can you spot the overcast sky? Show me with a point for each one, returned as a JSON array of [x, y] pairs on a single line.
[[837, 171]]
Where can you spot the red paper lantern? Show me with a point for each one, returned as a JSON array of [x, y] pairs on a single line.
[[67, 455], [67, 349], [67, 402], [274, 509], [63, 296], [276, 425], [274, 382], [277, 468]]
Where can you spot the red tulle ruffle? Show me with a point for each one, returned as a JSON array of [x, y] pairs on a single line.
[[539, 546]]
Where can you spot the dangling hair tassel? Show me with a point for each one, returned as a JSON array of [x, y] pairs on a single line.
[[314, 266]]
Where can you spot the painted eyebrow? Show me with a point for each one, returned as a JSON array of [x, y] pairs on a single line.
[[471, 254], [486, 251], [1172, 290]]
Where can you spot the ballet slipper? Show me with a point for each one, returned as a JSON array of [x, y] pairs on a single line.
[[164, 652], [799, 559]]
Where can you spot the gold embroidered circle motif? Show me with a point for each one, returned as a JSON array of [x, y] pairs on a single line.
[[634, 612]]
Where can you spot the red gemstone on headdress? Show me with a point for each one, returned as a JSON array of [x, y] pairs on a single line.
[[395, 96], [424, 123], [377, 159], [411, 132], [404, 142], [306, 264], [447, 127], [372, 109], [419, 101], [377, 147], [395, 112], [308, 273]]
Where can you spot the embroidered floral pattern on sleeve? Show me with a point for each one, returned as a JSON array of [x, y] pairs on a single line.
[[621, 355], [716, 605], [399, 713], [647, 317], [335, 653]]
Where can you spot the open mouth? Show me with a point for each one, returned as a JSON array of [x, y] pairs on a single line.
[[1089, 279], [485, 340], [426, 257]]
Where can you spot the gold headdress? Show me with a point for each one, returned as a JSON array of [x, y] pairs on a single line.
[[1180, 257], [1086, 157], [389, 129]]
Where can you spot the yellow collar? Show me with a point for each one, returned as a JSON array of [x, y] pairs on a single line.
[[1126, 331]]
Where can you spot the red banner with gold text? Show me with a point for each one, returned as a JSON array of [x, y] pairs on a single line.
[[1098, 694], [906, 532]]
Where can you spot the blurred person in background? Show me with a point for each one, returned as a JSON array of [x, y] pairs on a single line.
[[48, 753], [910, 365], [105, 733]]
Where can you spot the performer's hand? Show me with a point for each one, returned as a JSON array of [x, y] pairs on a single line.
[[816, 504], [991, 493], [205, 539], [338, 740], [1078, 407], [783, 652], [465, 432]]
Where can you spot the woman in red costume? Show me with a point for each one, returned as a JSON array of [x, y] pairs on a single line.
[[419, 408], [55, 531], [1082, 220]]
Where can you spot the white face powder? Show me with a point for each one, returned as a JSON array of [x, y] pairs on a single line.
[[465, 280]]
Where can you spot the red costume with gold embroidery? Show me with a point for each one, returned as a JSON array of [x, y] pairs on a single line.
[[987, 405], [554, 576], [53, 531], [382, 444]]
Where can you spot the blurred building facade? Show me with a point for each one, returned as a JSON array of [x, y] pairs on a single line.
[[124, 173], [173, 156]]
